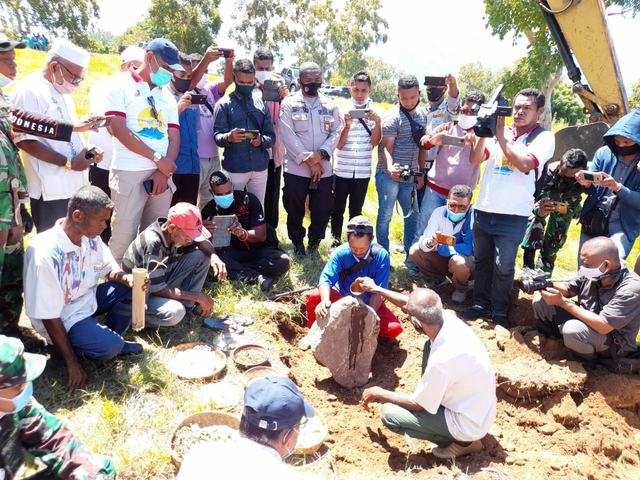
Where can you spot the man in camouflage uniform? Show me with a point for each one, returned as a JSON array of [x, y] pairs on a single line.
[[29, 432], [561, 186]]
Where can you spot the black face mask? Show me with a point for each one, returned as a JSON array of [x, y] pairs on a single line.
[[311, 88], [629, 150], [435, 94], [408, 109], [181, 84]]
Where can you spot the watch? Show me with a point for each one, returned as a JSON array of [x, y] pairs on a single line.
[[324, 154], [156, 157], [67, 165]]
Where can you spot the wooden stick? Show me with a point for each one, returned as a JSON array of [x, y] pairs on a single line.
[[139, 299]]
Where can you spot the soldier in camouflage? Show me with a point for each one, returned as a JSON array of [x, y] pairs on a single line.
[[28, 433], [561, 186]]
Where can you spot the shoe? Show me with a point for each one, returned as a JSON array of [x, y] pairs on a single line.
[[335, 243], [131, 348], [414, 271], [433, 284], [501, 320], [265, 282], [314, 244], [298, 250], [455, 450], [474, 313], [459, 295]]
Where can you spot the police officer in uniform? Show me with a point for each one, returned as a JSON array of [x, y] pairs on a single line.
[[310, 127]]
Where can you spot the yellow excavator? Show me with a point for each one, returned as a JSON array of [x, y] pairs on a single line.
[[581, 32]]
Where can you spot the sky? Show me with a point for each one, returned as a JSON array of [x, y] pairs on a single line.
[[427, 47]]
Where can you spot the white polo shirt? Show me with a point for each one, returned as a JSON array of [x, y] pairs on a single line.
[[459, 376], [60, 277], [129, 96], [46, 180], [102, 138]]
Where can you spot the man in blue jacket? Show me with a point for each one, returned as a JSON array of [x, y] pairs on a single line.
[[437, 255], [244, 129], [612, 207]]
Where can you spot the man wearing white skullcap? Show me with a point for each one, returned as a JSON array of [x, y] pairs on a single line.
[[130, 58], [55, 170]]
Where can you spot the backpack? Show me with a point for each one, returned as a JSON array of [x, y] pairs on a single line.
[[544, 176], [630, 363]]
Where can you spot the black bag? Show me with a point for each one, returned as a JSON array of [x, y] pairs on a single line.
[[362, 263], [417, 130], [630, 363], [596, 221], [544, 176]]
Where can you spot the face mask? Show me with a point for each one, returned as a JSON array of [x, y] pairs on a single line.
[[360, 104], [591, 273], [293, 449], [21, 400], [162, 76], [181, 84], [312, 88], [417, 325], [434, 94], [629, 150], [244, 90], [409, 109], [203, 82], [224, 201], [467, 121], [5, 81], [455, 217], [65, 87], [262, 76]]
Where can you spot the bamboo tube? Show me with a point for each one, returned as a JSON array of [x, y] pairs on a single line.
[[139, 299]]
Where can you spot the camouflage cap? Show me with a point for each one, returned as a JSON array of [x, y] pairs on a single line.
[[16, 366]]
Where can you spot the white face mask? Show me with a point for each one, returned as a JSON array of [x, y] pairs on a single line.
[[591, 273], [64, 88], [5, 81], [203, 82], [467, 121], [262, 76]]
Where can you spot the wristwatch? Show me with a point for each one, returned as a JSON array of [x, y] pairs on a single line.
[[324, 154], [67, 165], [156, 157]]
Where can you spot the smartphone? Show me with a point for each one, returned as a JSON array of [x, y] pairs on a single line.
[[434, 81], [591, 176], [252, 134], [446, 239], [314, 184], [560, 207], [198, 99], [227, 52], [92, 152], [106, 122], [453, 140], [148, 186], [364, 113], [270, 91]]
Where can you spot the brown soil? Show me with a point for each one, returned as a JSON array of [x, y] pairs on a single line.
[[590, 434]]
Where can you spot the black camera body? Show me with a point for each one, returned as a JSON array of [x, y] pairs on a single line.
[[406, 173], [488, 114], [531, 281]]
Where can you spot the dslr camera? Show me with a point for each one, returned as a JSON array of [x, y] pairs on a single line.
[[489, 112], [532, 281], [406, 173]]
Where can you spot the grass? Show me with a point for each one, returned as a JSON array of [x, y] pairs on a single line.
[[131, 405]]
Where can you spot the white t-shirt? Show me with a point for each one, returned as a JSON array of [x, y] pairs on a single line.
[[60, 277], [504, 188], [46, 180], [129, 96], [102, 138], [459, 376], [354, 159]]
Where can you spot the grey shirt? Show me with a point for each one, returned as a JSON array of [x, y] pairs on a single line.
[[405, 149]]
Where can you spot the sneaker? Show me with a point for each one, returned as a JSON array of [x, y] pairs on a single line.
[[435, 283], [265, 282], [131, 348], [298, 250], [455, 450], [501, 320], [474, 313], [459, 296]]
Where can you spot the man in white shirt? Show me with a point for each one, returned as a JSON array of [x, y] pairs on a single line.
[[274, 411], [454, 405], [55, 170]]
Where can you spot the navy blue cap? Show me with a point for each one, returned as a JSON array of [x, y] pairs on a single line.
[[277, 402], [167, 51]]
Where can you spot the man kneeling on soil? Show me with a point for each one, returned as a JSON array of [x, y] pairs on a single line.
[[607, 312], [359, 257], [454, 405], [274, 411]]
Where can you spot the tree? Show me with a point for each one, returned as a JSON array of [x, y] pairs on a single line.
[[473, 76], [190, 24], [634, 99], [320, 32], [566, 106], [137, 33]]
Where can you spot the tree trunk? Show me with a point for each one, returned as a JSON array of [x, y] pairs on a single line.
[[547, 89]]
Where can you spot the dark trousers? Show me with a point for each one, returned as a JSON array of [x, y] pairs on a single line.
[[272, 194], [269, 261], [356, 190], [187, 187], [294, 195], [100, 178], [46, 213]]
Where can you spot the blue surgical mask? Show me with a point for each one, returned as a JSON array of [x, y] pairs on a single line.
[[224, 201], [21, 400], [360, 104], [455, 217], [162, 76]]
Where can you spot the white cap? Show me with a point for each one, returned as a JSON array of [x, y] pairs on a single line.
[[67, 50], [132, 53]]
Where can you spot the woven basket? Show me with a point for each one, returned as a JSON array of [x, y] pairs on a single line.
[[256, 373], [202, 419], [311, 449], [250, 347], [222, 360]]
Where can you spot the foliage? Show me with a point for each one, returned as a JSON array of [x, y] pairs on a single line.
[[320, 31], [474, 77], [634, 99], [137, 33], [566, 106], [384, 78]]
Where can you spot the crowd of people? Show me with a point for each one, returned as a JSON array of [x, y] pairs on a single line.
[[150, 189]]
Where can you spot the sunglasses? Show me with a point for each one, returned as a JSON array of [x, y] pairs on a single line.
[[152, 104]]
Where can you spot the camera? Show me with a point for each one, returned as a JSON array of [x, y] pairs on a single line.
[[532, 281], [488, 114], [406, 173]]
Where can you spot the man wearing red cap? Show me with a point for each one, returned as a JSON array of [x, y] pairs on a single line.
[[177, 254]]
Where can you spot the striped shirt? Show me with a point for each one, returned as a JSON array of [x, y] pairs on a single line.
[[354, 159], [405, 149], [150, 250]]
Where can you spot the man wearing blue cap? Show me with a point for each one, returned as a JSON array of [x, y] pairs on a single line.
[[274, 410], [146, 143]]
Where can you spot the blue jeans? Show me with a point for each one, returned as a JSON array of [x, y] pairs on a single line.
[[388, 192], [496, 238], [97, 341], [430, 202]]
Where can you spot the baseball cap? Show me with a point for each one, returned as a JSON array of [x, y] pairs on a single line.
[[16, 366], [7, 45], [132, 53], [360, 224], [167, 51], [188, 218], [277, 402]]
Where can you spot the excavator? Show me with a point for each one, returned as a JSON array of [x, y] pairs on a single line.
[[581, 33]]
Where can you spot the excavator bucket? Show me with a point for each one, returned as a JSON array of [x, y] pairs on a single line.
[[586, 137]]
